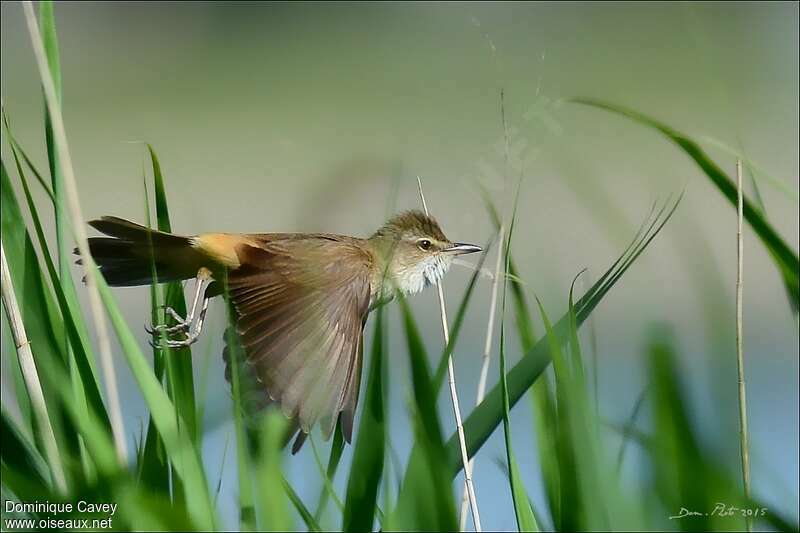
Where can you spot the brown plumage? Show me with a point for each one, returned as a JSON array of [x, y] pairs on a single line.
[[300, 300]]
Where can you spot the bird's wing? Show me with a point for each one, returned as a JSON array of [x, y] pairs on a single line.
[[300, 306]]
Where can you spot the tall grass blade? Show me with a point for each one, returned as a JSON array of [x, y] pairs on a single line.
[[42, 321], [544, 411], [489, 414], [41, 318], [526, 521], [85, 383], [784, 257], [59, 138], [178, 362], [31, 375]]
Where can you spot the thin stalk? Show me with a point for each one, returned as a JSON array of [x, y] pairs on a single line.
[[487, 352], [79, 233], [451, 379], [743, 434], [30, 375]]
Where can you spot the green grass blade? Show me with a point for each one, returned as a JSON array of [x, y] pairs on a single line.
[[784, 257], [368, 453], [301, 508], [337, 447], [86, 383], [544, 411], [43, 323], [684, 475], [178, 362], [153, 466], [327, 483], [759, 202], [526, 521], [243, 453], [69, 417], [489, 414], [20, 457]]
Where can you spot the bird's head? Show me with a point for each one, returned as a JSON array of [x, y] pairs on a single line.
[[417, 250]]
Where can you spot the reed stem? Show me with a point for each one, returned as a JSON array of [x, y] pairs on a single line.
[[79, 233], [30, 375], [487, 352], [451, 379], [743, 433]]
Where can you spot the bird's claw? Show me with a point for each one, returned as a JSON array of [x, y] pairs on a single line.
[[164, 334], [163, 343], [183, 325]]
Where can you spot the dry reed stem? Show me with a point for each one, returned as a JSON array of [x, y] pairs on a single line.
[[30, 375], [79, 233], [743, 433], [487, 352], [451, 379]]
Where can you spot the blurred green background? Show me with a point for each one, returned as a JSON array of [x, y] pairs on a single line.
[[304, 117]]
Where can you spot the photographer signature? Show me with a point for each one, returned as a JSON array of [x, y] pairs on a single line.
[[723, 509]]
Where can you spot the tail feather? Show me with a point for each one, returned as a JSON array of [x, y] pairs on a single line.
[[128, 256], [131, 231]]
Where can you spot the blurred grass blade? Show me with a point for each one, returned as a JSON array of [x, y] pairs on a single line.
[[368, 453], [784, 257], [24, 471], [426, 499], [489, 414], [682, 477], [272, 510]]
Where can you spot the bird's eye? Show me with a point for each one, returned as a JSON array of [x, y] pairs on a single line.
[[424, 244]]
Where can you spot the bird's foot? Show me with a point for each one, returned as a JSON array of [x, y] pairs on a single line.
[[164, 342], [182, 325]]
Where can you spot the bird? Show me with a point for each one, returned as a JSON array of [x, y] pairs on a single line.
[[299, 301]]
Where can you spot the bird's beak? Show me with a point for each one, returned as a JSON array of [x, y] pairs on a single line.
[[460, 248]]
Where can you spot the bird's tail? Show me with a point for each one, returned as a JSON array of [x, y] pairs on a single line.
[[133, 253]]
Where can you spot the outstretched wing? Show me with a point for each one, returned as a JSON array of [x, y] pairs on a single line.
[[301, 305]]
